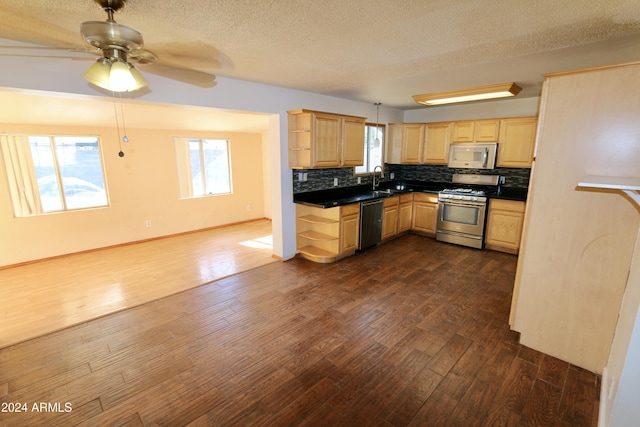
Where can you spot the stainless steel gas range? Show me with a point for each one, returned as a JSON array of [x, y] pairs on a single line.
[[462, 209]]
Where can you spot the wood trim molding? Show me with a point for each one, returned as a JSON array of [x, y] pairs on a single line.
[[585, 70]]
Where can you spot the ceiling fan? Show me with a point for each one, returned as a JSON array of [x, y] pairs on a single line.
[[121, 50], [119, 46]]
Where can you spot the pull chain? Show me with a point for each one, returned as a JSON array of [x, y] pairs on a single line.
[[115, 110], [125, 138]]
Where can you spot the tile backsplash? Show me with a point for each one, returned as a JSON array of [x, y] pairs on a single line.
[[323, 179]]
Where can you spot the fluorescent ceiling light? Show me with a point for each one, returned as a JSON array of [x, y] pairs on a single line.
[[474, 94]]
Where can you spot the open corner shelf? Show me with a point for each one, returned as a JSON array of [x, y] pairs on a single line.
[[629, 186]]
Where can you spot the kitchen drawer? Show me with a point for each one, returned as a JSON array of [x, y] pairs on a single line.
[[351, 209], [425, 197], [507, 205], [408, 197], [391, 201]]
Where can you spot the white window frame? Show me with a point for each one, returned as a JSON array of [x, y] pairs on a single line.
[[24, 190], [185, 174], [369, 130]]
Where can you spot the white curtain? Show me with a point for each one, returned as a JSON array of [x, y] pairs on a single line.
[[21, 175], [183, 158]]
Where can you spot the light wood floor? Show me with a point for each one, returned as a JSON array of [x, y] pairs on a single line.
[[42, 297], [412, 333]]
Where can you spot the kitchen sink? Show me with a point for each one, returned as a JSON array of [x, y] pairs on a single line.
[[382, 193]]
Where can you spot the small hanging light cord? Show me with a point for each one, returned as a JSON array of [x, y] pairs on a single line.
[[115, 110], [125, 138], [377, 104]]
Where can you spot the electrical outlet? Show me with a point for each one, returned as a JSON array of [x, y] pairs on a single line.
[[359, 180], [392, 175], [335, 182], [300, 177], [305, 176], [147, 223], [502, 179]]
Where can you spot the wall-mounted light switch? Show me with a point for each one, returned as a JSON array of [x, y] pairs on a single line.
[[305, 176], [359, 180], [300, 177], [335, 182]]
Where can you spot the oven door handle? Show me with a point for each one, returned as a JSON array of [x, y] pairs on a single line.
[[463, 204]]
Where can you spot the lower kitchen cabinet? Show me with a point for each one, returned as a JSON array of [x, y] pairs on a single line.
[[349, 228], [325, 235], [405, 212], [504, 225], [390, 217], [425, 213]]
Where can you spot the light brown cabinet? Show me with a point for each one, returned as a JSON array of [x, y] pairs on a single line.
[[324, 140], [404, 143], [353, 142], [349, 228], [516, 142], [325, 235], [390, 217], [428, 143], [405, 212], [412, 141], [436, 143], [462, 131], [393, 144], [425, 213], [476, 131], [504, 225]]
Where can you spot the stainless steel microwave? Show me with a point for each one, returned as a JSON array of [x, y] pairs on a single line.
[[473, 155]]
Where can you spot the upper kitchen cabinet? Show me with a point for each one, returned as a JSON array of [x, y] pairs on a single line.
[[436, 143], [412, 141], [517, 142], [325, 140], [353, 141], [404, 143], [393, 145], [475, 131]]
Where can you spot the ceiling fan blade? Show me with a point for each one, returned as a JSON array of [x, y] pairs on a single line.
[[24, 28], [73, 58], [185, 75]]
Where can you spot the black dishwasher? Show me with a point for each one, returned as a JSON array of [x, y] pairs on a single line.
[[370, 223]]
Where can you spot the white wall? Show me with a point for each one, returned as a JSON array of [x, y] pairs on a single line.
[[621, 379], [626, 410]]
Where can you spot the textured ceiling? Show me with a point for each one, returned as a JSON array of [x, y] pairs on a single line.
[[373, 51]]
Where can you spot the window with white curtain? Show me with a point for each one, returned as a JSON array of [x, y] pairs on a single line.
[[53, 173], [373, 148], [203, 167]]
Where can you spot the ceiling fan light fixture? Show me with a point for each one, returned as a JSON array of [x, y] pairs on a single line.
[[138, 78], [465, 95], [98, 73], [120, 78]]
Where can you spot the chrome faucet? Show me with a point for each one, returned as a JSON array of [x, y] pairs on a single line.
[[375, 185]]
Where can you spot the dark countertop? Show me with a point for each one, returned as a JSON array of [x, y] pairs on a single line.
[[347, 195]]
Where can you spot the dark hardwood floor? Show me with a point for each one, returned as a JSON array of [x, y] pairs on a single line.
[[411, 333]]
